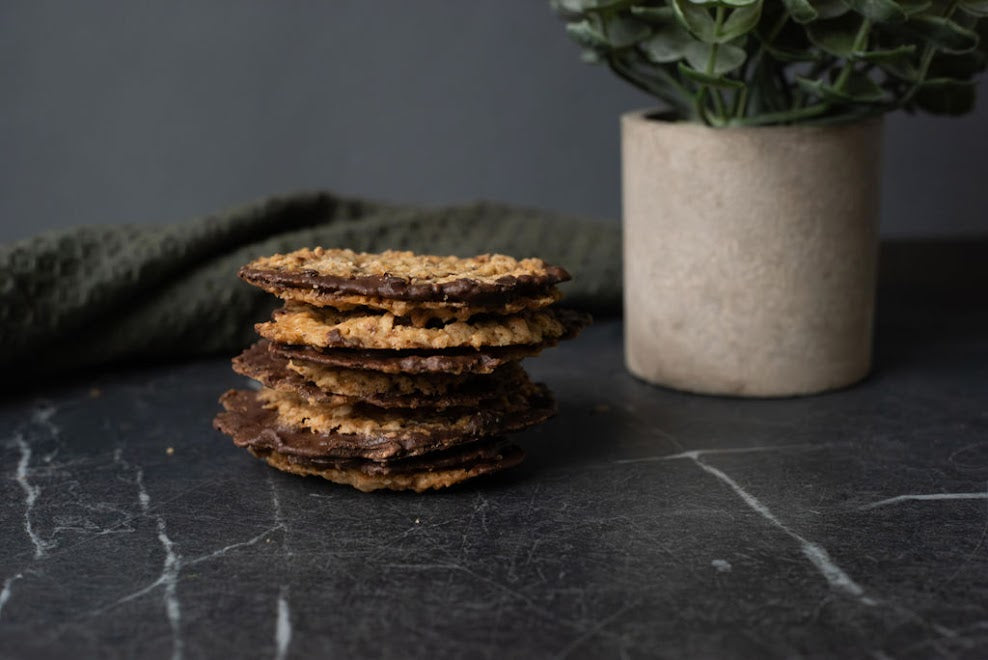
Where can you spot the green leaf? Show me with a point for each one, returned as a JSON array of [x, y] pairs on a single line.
[[878, 11], [914, 6], [977, 8], [654, 14], [965, 20], [790, 54], [696, 19], [959, 67], [622, 31], [586, 35], [711, 81], [859, 89], [791, 39], [801, 10], [740, 22], [724, 3], [897, 62], [946, 97], [812, 87], [591, 56], [835, 36], [890, 55], [727, 59], [606, 5], [942, 33], [589, 6], [862, 89], [568, 7], [830, 8], [668, 43], [903, 69]]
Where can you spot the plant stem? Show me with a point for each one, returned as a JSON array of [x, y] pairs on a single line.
[[678, 97], [712, 66], [669, 79], [798, 98], [741, 101], [719, 106], [860, 40], [698, 105], [808, 112], [924, 67], [780, 23], [822, 65]]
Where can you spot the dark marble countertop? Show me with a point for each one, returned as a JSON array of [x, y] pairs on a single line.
[[645, 522]]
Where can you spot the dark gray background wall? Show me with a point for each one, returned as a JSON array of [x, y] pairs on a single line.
[[126, 111]]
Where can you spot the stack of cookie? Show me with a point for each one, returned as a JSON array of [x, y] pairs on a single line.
[[395, 370]]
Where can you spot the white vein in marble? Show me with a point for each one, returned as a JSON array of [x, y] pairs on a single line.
[[815, 553], [31, 494], [8, 586], [283, 626], [42, 417], [924, 497], [697, 453], [173, 563], [169, 579], [233, 546], [283, 616]]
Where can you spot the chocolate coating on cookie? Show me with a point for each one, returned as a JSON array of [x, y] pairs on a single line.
[[487, 450], [431, 472], [484, 279], [325, 327], [483, 360], [251, 425], [445, 390], [450, 361]]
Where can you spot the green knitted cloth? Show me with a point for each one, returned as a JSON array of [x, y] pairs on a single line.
[[90, 296]]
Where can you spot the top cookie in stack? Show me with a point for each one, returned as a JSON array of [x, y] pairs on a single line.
[[396, 370]]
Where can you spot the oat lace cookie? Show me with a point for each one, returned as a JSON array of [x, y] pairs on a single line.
[[392, 275], [497, 416], [324, 327], [484, 360], [418, 314], [319, 383], [252, 425], [417, 475]]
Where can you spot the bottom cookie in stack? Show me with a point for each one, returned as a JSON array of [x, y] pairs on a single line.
[[419, 474], [371, 430]]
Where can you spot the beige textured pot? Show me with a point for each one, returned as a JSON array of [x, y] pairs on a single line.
[[749, 255]]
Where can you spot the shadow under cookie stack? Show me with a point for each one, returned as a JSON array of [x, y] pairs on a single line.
[[396, 370]]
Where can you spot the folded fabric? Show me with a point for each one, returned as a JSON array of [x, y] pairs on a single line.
[[91, 296]]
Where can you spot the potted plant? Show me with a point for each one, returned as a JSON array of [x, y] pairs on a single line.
[[751, 196]]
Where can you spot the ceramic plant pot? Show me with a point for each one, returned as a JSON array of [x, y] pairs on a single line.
[[749, 255]]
